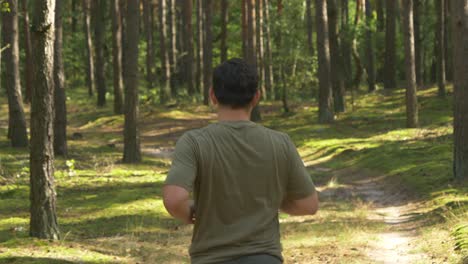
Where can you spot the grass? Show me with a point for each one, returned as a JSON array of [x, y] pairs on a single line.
[[112, 213]]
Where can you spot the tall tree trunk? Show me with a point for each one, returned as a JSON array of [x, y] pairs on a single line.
[[281, 91], [323, 53], [43, 222], [172, 35], [224, 23], [28, 70], [74, 15], [355, 52], [252, 48], [260, 47], [459, 19], [132, 152], [448, 45], [440, 36], [148, 25], [310, 27], [60, 122], [187, 7], [117, 57], [99, 33], [345, 43], [245, 29], [200, 39], [417, 42], [335, 58], [370, 49], [411, 95], [278, 40], [268, 61], [390, 45], [90, 80], [380, 15], [16, 118], [207, 49], [165, 93]]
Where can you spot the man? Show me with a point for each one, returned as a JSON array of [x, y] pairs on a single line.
[[240, 174]]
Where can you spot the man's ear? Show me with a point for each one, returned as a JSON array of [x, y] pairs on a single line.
[[213, 98]]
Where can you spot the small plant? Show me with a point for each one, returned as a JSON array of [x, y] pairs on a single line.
[[70, 167]]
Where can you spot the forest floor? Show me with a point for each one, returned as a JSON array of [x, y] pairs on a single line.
[[386, 191]]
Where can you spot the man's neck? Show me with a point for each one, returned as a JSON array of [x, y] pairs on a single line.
[[229, 114]]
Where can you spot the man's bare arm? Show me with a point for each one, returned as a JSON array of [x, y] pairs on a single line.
[[305, 206], [178, 203]]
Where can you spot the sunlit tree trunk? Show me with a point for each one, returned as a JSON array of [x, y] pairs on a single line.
[[60, 98], [90, 79], [323, 52], [252, 48], [459, 17], [16, 118], [132, 152], [268, 61], [411, 96], [43, 222], [260, 47]]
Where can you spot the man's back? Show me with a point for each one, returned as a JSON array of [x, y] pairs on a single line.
[[240, 174]]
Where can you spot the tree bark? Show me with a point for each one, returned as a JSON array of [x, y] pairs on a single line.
[[90, 79], [99, 35], [417, 42], [148, 25], [117, 57], [132, 152], [390, 45], [370, 49], [411, 94], [224, 23], [252, 48], [165, 93], [200, 39], [335, 58], [459, 19], [346, 44], [188, 45], [172, 35], [310, 27], [28, 70], [323, 53], [43, 222], [380, 15], [16, 118], [440, 55], [268, 61], [60, 98], [245, 29], [207, 49], [260, 47]]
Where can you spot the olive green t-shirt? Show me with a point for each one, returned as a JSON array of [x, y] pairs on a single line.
[[240, 173]]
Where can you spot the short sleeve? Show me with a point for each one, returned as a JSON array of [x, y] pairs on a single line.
[[184, 164], [299, 184]]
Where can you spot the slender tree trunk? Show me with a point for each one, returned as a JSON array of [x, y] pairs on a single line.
[[90, 80], [188, 45], [132, 152], [310, 27], [448, 45], [417, 42], [123, 23], [147, 9], [411, 95], [260, 47], [43, 222], [165, 94], [370, 49], [245, 29], [335, 58], [390, 45], [355, 52], [380, 15], [268, 61], [323, 52], [200, 38], [224, 23], [117, 57], [99, 34], [74, 15], [459, 19], [251, 49], [28, 70], [60, 98], [345, 43], [440, 35], [278, 40], [16, 118], [207, 49], [172, 35]]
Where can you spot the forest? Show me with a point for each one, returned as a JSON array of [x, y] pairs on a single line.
[[94, 94]]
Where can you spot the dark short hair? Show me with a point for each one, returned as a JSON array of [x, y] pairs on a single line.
[[235, 83]]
